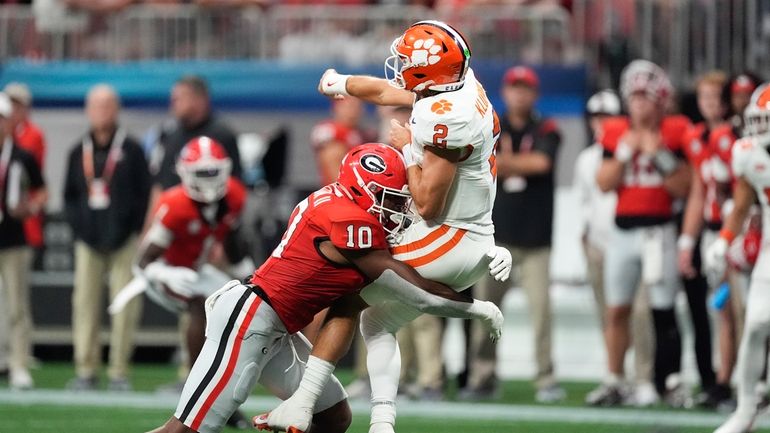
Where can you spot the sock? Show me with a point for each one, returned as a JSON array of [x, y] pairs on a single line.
[[317, 374]]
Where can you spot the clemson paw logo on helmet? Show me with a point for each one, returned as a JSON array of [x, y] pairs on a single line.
[[425, 52], [441, 106]]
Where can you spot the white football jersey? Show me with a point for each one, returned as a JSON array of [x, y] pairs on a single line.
[[752, 162], [462, 119]]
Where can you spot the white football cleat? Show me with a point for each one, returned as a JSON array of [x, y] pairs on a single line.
[[20, 379], [739, 422]]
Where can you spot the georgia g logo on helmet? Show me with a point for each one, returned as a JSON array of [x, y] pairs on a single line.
[[373, 163]]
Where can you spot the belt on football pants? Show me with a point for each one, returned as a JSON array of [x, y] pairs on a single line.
[[260, 292]]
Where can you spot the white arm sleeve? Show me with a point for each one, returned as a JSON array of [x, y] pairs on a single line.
[[406, 292]]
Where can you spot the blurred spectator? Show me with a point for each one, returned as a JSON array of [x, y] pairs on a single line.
[[708, 149], [422, 373], [737, 96], [191, 107], [523, 216], [105, 197], [22, 193], [30, 138], [598, 213], [643, 164], [332, 138]]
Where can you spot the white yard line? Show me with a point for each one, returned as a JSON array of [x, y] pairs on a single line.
[[430, 410]]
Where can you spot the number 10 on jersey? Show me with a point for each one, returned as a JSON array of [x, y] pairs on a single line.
[[361, 238]]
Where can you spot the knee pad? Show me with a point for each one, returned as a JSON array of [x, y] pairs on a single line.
[[245, 383]]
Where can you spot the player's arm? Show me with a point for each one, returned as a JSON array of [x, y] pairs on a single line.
[[610, 173], [743, 197], [155, 243], [370, 89], [692, 225], [409, 287], [430, 184]]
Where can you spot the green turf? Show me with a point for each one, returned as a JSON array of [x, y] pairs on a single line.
[[148, 377], [57, 419]]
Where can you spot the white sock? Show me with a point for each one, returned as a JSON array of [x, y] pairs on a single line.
[[314, 380], [751, 361]]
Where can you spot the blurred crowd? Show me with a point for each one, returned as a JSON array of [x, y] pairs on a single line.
[[643, 229]]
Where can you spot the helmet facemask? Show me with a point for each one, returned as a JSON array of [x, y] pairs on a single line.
[[758, 125], [389, 205], [205, 181], [395, 64]]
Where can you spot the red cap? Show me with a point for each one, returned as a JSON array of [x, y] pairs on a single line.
[[743, 83], [521, 75]]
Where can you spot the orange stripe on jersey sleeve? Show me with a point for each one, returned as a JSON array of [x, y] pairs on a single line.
[[420, 243], [438, 252]]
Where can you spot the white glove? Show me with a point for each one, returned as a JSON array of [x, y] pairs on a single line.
[[178, 279], [333, 84], [715, 260], [500, 263], [492, 318]]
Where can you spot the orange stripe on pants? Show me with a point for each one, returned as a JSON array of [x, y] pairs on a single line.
[[438, 252], [420, 243]]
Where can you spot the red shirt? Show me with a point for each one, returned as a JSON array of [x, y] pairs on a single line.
[[328, 131], [192, 234], [709, 152], [642, 198], [300, 281], [29, 137]]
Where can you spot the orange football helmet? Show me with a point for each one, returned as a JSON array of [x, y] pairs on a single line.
[[430, 55], [757, 115]]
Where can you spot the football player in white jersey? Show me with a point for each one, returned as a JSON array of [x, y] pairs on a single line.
[[751, 166], [449, 147]]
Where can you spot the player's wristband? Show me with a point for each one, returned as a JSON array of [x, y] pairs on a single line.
[[408, 157], [623, 152], [727, 235], [685, 242], [335, 84], [665, 162]]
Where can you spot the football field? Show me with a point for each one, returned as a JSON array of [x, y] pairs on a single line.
[[51, 409]]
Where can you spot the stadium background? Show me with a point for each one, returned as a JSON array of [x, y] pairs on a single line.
[[263, 63]]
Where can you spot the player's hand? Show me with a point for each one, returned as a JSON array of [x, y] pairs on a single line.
[[332, 84], [685, 263], [715, 261], [179, 279], [400, 135], [493, 319], [500, 263]]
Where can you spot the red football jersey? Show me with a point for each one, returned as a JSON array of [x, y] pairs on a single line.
[[29, 137], [300, 281], [641, 194], [191, 233], [709, 152]]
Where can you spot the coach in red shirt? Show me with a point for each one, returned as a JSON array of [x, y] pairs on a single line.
[[29, 137]]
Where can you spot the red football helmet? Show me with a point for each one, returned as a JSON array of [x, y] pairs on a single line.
[[757, 115], [374, 175], [429, 55], [204, 168]]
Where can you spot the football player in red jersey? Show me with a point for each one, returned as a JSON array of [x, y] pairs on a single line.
[[707, 148], [642, 162], [189, 220], [335, 244]]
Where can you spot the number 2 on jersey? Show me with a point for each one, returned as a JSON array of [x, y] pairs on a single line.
[[364, 237], [439, 138]]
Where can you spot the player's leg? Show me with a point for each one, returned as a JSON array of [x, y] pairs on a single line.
[[751, 354], [662, 277], [240, 335], [622, 273], [283, 374]]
